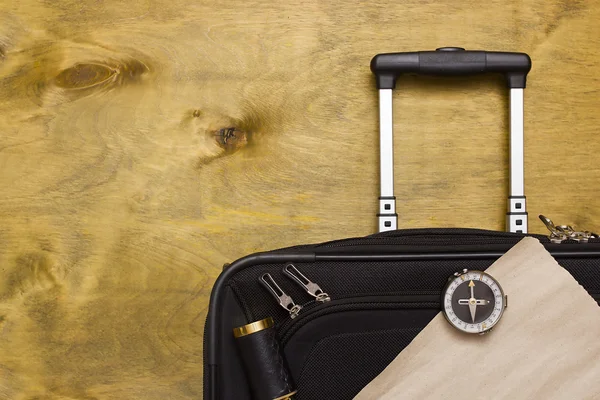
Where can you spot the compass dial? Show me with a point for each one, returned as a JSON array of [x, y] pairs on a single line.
[[473, 301]]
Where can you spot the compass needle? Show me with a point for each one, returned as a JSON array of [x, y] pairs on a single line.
[[472, 301]]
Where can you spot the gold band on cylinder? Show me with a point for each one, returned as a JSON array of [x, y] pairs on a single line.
[[253, 327], [287, 396]]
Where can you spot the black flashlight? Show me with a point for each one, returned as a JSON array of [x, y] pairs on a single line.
[[264, 363]]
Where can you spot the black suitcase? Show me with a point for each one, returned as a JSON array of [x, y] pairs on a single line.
[[385, 288]]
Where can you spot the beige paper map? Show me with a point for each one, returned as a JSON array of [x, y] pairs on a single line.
[[546, 346]]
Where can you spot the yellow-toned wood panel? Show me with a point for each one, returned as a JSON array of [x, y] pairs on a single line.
[[144, 144]]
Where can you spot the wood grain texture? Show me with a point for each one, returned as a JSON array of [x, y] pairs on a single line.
[[144, 144]]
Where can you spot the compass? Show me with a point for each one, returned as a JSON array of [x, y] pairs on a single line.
[[473, 301]]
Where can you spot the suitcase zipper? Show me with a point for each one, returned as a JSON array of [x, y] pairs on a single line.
[[425, 237], [315, 310], [283, 299], [564, 233], [310, 287]]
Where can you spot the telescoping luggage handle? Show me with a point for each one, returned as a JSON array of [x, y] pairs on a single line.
[[451, 61]]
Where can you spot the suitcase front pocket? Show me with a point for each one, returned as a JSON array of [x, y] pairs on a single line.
[[335, 349]]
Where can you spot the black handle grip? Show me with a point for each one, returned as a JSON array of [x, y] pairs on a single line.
[[450, 61]]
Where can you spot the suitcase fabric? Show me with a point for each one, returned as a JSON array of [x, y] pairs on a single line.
[[384, 288]]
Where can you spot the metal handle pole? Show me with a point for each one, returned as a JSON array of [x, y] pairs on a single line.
[[516, 217], [388, 219]]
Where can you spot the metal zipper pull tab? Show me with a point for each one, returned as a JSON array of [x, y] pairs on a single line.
[[557, 234], [311, 288], [560, 233], [592, 235], [548, 222], [583, 236], [282, 298]]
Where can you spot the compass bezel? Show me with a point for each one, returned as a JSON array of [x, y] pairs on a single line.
[[464, 326]]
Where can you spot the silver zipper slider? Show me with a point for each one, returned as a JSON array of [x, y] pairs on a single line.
[[560, 233], [584, 236], [311, 288], [556, 234], [282, 298], [548, 222]]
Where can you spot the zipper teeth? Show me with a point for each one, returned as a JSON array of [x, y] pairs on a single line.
[[447, 232], [394, 240], [429, 240], [312, 304], [290, 326], [426, 233], [441, 233]]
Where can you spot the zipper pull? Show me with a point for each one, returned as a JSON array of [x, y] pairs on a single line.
[[556, 235], [559, 234], [583, 236], [311, 288], [548, 222], [282, 298]]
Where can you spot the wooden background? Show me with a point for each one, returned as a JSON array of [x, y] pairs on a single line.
[[145, 143]]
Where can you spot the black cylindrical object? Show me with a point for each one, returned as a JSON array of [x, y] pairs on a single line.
[[264, 363]]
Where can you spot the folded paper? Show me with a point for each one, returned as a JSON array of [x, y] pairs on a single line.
[[546, 346]]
